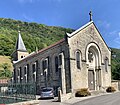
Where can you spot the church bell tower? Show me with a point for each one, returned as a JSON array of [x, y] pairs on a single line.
[[20, 50]]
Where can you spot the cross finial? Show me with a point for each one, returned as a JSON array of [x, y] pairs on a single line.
[[90, 15]]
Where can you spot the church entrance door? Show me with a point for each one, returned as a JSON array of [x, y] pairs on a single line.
[[91, 80], [93, 57]]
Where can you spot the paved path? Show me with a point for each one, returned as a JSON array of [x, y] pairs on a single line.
[[109, 99], [54, 101], [51, 102]]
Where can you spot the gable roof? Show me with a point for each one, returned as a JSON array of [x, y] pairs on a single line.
[[73, 33], [84, 26], [20, 44]]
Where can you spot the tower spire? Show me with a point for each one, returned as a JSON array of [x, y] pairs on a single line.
[[20, 51], [20, 44], [90, 13]]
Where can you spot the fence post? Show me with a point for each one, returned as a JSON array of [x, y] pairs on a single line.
[[59, 95]]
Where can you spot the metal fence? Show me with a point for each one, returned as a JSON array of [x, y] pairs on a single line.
[[10, 93]]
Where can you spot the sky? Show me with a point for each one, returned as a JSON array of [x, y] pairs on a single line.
[[69, 14]]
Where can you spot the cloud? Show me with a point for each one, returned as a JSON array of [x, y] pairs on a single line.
[[104, 24], [117, 39], [113, 38], [115, 32], [119, 34], [28, 18]]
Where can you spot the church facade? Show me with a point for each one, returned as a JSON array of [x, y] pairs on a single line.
[[80, 60]]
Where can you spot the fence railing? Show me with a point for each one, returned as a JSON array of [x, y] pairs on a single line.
[[10, 93]]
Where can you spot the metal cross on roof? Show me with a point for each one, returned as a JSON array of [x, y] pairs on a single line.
[[90, 15]]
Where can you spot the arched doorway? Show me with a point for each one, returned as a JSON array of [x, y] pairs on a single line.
[[93, 61]]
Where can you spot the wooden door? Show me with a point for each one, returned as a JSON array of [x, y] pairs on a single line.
[[91, 80]]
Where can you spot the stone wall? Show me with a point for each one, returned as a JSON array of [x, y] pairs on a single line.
[[79, 41], [116, 84], [54, 78]]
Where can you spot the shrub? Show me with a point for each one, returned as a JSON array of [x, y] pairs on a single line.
[[110, 89], [82, 92]]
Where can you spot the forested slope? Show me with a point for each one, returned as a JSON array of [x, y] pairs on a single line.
[[33, 34]]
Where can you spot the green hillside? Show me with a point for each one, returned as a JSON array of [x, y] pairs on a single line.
[[115, 60], [33, 34]]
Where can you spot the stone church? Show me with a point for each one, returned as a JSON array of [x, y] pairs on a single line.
[[81, 59]]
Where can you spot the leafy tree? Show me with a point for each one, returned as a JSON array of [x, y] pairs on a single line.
[[115, 63], [5, 72], [116, 72]]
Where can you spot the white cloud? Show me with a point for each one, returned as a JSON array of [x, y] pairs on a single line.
[[113, 32], [104, 24], [114, 38], [117, 39], [119, 34], [28, 18]]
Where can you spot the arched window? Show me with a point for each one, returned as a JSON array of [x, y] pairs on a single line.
[[56, 64], [28, 73], [90, 56], [34, 67], [44, 65], [78, 59], [106, 64], [60, 59], [21, 75], [19, 70], [25, 73], [25, 70]]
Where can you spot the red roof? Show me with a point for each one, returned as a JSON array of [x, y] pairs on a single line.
[[60, 41], [4, 81], [51, 45]]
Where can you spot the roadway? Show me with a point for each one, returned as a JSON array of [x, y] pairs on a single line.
[[109, 99], [106, 99]]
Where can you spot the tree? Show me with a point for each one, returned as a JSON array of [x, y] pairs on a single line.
[[5, 72], [116, 72]]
